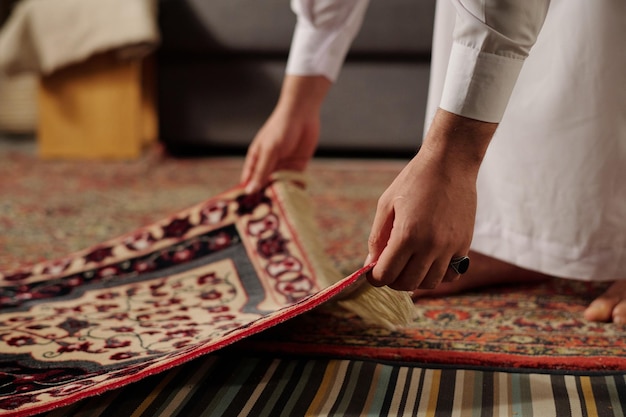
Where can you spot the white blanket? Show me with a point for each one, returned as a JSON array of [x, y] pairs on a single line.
[[42, 36]]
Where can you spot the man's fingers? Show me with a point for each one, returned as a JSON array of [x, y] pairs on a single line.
[[264, 163], [390, 265], [380, 232], [411, 275], [451, 275], [404, 261], [394, 255], [249, 164], [435, 275]]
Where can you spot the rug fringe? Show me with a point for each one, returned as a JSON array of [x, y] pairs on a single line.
[[380, 306]]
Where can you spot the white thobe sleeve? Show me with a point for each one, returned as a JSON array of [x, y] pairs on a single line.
[[323, 34], [492, 38]]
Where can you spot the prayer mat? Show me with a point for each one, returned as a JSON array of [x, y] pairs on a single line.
[[167, 293]]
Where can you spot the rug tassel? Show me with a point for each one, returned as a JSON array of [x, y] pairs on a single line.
[[380, 306]]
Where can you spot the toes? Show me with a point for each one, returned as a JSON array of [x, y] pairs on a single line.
[[601, 309], [619, 313], [610, 306]]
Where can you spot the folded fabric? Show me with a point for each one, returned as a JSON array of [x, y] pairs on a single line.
[[42, 36], [199, 280]]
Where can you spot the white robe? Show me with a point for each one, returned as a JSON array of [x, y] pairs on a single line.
[[552, 187]]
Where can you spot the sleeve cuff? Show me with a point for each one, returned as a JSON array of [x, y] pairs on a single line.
[[317, 52], [478, 84]]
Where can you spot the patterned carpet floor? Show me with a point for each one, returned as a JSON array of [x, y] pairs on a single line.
[[49, 209]]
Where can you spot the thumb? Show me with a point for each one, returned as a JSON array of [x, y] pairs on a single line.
[[381, 230], [263, 165], [249, 165]]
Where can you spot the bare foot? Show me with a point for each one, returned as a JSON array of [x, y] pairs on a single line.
[[610, 306], [484, 271]]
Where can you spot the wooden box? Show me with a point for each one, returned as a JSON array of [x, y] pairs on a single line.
[[103, 108]]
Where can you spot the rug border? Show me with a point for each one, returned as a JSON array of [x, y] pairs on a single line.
[[262, 324], [432, 358]]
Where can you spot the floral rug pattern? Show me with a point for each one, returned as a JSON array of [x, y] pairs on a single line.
[[52, 208], [152, 299], [535, 327]]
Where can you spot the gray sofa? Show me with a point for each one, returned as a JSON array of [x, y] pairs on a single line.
[[221, 64]]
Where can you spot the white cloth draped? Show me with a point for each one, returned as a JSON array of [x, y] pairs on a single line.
[[42, 36]]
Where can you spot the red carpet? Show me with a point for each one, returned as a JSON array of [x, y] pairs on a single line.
[[537, 327]]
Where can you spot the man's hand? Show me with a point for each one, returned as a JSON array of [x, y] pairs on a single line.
[[426, 216], [289, 137]]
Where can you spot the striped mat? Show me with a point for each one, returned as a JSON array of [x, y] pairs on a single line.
[[227, 385]]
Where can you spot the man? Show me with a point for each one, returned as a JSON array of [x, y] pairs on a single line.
[[550, 199]]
